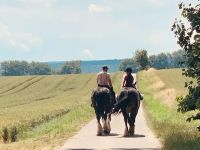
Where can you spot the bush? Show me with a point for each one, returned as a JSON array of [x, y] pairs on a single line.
[[5, 134]]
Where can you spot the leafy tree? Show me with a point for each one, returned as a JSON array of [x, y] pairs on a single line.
[[14, 68], [167, 60], [189, 40], [129, 62], [71, 67], [39, 68], [177, 59], [141, 59], [160, 61]]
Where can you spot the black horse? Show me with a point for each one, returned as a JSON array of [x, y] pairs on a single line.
[[128, 102], [103, 101]]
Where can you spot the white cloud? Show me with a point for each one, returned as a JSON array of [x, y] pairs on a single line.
[[88, 53], [93, 8], [25, 41]]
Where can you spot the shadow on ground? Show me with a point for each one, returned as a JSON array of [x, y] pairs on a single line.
[[120, 149], [134, 136]]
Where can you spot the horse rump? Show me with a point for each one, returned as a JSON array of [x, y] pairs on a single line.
[[127, 97], [102, 102]]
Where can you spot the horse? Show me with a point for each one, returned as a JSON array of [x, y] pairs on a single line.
[[103, 100], [128, 103]]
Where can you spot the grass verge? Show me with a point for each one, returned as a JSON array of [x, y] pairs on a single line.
[[53, 133], [175, 133]]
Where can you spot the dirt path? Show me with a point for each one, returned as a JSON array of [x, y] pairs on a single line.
[[87, 139]]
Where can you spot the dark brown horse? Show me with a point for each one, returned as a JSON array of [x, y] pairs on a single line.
[[128, 102], [103, 101]]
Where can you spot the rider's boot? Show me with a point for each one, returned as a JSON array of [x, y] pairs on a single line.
[[141, 96]]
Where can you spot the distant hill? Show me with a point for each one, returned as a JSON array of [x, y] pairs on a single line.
[[92, 66]]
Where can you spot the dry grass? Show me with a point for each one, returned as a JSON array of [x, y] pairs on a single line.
[[46, 109], [160, 88]]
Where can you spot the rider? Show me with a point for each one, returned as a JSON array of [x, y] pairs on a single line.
[[128, 80], [104, 79]]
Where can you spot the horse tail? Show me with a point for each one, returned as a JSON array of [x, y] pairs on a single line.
[[120, 104]]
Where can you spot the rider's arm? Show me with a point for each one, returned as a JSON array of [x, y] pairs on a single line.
[[133, 82], [133, 79], [109, 80], [124, 81], [97, 79]]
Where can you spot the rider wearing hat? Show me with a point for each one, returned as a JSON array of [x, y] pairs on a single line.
[[104, 79], [128, 80]]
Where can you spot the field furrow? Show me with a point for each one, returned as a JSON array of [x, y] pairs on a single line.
[[32, 103], [13, 87]]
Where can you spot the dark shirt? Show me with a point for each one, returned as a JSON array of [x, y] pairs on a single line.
[[128, 80]]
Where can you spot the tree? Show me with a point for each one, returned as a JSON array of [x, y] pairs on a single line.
[[177, 59], [14, 68], [189, 40], [129, 62], [141, 59], [71, 67], [161, 61], [39, 68], [167, 60]]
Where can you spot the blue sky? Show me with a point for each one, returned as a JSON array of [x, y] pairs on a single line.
[[49, 30]]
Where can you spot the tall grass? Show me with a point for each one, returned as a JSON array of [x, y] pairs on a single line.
[[169, 125]]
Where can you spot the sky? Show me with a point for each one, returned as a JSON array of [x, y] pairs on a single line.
[[57, 30]]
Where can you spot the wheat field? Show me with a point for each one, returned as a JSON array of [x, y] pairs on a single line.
[[39, 106]]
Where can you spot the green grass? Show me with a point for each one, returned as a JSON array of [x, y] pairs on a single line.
[[169, 125], [46, 109]]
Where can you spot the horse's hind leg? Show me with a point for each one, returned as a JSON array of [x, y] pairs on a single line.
[[108, 122], [106, 125], [99, 127], [131, 122], [126, 124]]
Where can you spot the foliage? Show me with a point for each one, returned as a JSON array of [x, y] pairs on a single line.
[[141, 59], [19, 68], [38, 68], [177, 59], [5, 134], [167, 60], [129, 62], [160, 61], [13, 134], [71, 67], [185, 36], [14, 68]]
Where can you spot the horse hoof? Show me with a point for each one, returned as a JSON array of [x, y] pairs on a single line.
[[125, 135], [132, 131], [106, 132], [99, 134], [131, 134]]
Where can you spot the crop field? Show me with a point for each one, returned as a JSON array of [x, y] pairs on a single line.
[[161, 87], [46, 110]]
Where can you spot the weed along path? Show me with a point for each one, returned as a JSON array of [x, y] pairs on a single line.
[[87, 139]]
